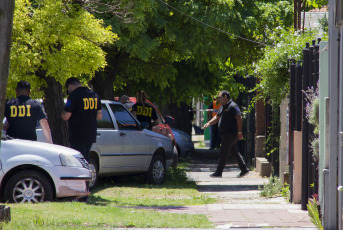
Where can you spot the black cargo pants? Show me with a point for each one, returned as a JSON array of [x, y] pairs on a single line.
[[229, 146]]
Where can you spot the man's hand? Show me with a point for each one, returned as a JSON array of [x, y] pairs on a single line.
[[205, 125], [240, 136]]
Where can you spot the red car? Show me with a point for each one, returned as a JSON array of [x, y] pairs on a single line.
[[163, 128]]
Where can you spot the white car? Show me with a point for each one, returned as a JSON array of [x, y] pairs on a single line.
[[124, 147], [34, 172]]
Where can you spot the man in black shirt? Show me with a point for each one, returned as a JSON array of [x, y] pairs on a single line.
[[230, 129], [22, 114], [82, 110]]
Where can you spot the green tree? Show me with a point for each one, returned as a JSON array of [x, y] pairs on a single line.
[[272, 68], [176, 58], [52, 41]]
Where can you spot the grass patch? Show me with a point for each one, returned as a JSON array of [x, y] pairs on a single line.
[[274, 187], [114, 205], [74, 215], [199, 144]]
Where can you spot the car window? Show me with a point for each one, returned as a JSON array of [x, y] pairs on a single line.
[[124, 119], [159, 118], [105, 122]]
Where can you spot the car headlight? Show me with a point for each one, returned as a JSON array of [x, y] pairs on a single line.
[[71, 161]]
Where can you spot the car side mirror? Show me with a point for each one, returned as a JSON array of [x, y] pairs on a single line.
[[169, 120]]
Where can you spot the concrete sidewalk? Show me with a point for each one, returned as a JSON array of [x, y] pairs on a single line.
[[240, 203]]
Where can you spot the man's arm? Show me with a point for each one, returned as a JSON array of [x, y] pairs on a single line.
[[213, 121], [5, 125], [66, 115], [46, 130], [239, 125], [156, 122], [99, 115]]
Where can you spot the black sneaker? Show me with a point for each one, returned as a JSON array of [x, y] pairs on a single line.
[[242, 174], [216, 174]]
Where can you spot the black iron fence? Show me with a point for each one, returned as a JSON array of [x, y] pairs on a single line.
[[303, 76]]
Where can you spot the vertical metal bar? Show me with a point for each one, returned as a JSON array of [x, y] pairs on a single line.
[[290, 128], [298, 93], [305, 128]]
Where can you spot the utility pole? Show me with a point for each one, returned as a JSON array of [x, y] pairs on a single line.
[[6, 24]]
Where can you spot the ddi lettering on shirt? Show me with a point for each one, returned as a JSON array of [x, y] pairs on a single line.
[[90, 103], [144, 111], [20, 111]]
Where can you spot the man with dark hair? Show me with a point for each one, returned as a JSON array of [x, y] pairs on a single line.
[[22, 114], [125, 100], [82, 110], [230, 129]]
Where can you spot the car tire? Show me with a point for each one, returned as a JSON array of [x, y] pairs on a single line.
[[93, 165], [157, 170], [175, 157], [28, 186]]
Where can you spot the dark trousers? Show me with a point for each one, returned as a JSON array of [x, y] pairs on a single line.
[[215, 137], [229, 146], [82, 148]]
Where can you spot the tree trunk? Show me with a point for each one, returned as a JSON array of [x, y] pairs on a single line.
[[181, 115], [6, 23], [103, 86], [103, 82], [54, 107]]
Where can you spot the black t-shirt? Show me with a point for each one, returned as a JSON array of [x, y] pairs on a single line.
[[84, 105], [144, 114], [228, 122], [22, 115]]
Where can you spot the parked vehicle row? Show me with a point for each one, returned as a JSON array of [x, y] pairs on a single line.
[[124, 147], [36, 172]]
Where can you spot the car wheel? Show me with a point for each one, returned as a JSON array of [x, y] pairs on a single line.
[[28, 187], [157, 170], [175, 157], [94, 171]]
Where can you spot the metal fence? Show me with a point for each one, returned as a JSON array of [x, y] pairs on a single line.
[[304, 75]]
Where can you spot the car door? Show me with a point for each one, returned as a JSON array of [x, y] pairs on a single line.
[[134, 141], [108, 143], [161, 127]]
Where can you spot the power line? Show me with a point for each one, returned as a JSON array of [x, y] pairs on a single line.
[[220, 30]]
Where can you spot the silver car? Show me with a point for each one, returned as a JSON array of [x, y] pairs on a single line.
[[124, 147], [34, 172]]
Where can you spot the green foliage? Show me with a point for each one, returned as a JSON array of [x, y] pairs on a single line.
[[55, 38], [313, 212], [317, 3], [324, 23], [272, 68], [175, 58], [312, 115], [272, 188], [285, 191], [273, 138]]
